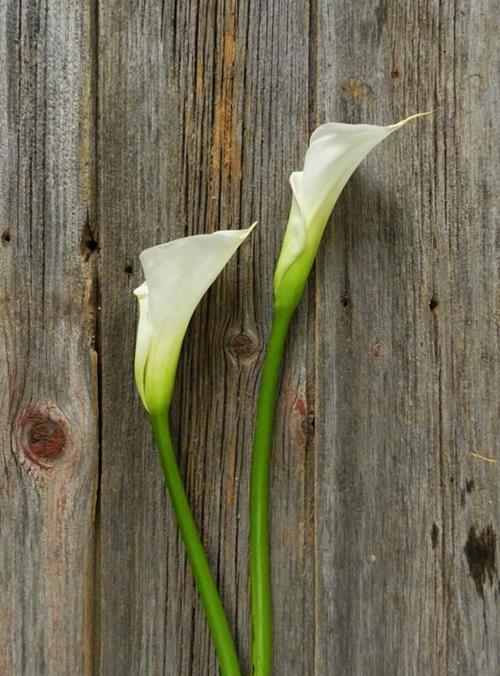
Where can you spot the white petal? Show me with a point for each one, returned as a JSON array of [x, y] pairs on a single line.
[[179, 273], [177, 276], [295, 235], [335, 151], [143, 340]]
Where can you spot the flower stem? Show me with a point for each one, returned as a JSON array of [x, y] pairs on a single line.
[[212, 604], [260, 569]]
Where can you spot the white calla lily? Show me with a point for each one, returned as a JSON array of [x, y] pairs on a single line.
[[335, 150], [177, 276]]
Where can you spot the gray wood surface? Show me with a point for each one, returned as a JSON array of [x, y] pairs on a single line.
[[48, 390], [124, 124]]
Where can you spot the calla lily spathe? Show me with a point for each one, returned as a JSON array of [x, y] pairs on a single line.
[[335, 150], [177, 276]]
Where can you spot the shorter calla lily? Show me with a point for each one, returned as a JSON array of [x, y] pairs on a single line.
[[335, 150], [177, 276]]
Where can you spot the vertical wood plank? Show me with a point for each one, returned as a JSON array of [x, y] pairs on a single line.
[[203, 113], [385, 552], [408, 348], [48, 400]]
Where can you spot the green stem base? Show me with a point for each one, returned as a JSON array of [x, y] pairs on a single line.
[[212, 604]]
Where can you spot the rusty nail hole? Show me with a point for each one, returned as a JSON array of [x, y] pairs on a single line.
[[5, 237], [394, 73], [88, 242], [91, 244], [434, 535], [128, 269]]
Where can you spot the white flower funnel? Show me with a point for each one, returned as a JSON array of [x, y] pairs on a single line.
[[335, 150], [177, 276]]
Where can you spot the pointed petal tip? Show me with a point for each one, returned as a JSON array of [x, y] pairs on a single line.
[[401, 123], [243, 233], [240, 234], [248, 230]]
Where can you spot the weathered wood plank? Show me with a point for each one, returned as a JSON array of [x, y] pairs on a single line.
[[385, 493], [48, 400], [408, 361], [202, 109]]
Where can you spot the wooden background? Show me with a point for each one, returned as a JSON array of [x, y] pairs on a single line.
[[124, 123]]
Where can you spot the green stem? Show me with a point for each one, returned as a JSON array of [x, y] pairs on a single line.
[[260, 569], [216, 617]]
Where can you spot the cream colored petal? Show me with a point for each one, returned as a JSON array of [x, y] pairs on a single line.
[[334, 153], [143, 339], [295, 235], [179, 273], [177, 276]]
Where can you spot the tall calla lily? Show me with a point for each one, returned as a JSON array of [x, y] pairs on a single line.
[[334, 152], [177, 276]]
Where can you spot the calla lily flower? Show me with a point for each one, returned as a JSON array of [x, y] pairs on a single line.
[[177, 276], [335, 150]]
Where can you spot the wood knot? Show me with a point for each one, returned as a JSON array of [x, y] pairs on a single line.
[[243, 346], [42, 436]]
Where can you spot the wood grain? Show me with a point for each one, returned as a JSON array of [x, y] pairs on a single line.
[[48, 401], [124, 124], [407, 297], [198, 157]]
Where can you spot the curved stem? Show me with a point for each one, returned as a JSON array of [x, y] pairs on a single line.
[[260, 573], [212, 604]]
